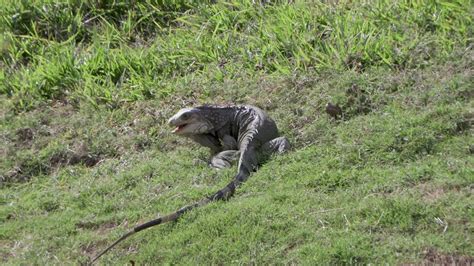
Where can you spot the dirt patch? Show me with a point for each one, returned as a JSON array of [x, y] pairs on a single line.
[[356, 62], [465, 123], [90, 250], [431, 193], [73, 158], [29, 168], [24, 134], [432, 256], [358, 101], [290, 247], [95, 226], [6, 250]]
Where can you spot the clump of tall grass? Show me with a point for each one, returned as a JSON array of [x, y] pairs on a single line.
[[112, 52]]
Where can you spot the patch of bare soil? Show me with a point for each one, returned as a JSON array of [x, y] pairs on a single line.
[[431, 193], [24, 134], [25, 170], [358, 101], [90, 250], [95, 226], [13, 175], [72, 158], [465, 123], [6, 250], [432, 257]]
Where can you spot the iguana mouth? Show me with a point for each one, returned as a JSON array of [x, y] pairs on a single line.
[[179, 128]]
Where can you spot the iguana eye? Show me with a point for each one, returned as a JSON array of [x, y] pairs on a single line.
[[185, 116]]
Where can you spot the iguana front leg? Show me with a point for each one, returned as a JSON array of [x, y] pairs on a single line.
[[223, 153], [228, 156], [209, 141], [229, 143], [225, 159]]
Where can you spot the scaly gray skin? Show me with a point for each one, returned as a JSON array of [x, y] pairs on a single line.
[[230, 132]]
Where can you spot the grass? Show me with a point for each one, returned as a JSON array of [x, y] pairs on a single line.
[[87, 87]]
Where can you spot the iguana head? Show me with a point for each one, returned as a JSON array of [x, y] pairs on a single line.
[[189, 121]]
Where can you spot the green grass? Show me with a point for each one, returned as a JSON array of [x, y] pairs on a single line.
[[87, 87]]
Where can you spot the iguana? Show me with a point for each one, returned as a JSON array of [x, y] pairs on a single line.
[[234, 132]]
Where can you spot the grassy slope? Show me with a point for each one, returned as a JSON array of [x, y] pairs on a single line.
[[86, 90]]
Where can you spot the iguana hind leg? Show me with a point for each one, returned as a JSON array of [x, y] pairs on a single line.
[[277, 145], [208, 140]]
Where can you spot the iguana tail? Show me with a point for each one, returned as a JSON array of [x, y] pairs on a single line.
[[222, 194]]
